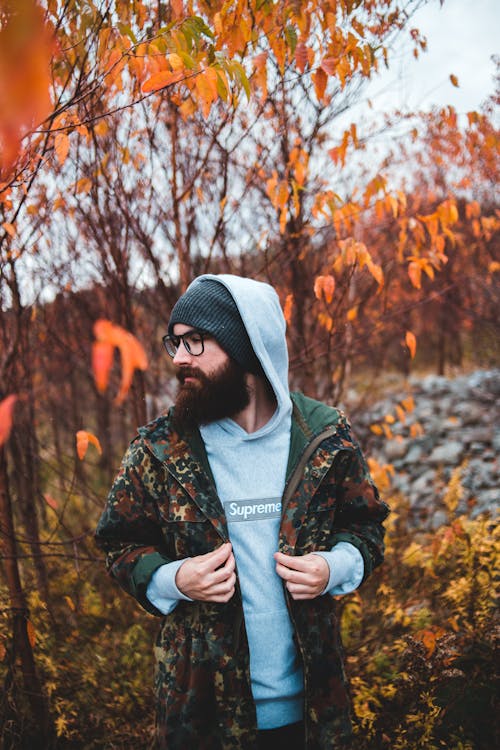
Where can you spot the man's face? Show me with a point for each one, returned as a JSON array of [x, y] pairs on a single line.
[[212, 385]]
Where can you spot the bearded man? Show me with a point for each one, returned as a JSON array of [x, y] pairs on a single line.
[[237, 518]]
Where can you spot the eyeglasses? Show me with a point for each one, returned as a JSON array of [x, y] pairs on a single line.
[[194, 343]]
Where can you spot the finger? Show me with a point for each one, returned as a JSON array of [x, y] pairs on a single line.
[[222, 573], [222, 592], [290, 561], [287, 574], [215, 558], [220, 589]]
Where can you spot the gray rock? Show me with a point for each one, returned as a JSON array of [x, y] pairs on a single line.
[[447, 453], [414, 454], [395, 449], [438, 518]]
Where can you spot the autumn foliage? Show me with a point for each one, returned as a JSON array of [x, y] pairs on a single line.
[[140, 145]]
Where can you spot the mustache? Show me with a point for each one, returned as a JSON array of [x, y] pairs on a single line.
[[189, 372]]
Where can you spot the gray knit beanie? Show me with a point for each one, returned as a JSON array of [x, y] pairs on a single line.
[[209, 306]]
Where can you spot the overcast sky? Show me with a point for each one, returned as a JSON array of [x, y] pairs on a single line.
[[462, 36]]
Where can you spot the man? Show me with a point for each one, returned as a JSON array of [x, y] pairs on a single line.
[[238, 517]]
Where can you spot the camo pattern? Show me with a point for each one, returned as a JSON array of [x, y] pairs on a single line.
[[163, 506]]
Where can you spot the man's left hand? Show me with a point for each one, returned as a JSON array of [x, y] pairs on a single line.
[[306, 576]]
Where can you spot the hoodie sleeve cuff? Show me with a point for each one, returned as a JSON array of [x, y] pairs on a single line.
[[346, 568], [162, 590]]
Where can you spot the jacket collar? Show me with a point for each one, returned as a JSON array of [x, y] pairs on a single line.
[[186, 460]]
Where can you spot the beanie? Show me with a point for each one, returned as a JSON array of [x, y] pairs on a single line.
[[209, 306]]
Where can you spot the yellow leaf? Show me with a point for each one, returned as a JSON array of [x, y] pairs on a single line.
[[411, 343], [175, 61], [352, 314]]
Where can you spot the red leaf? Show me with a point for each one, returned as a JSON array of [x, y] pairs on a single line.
[[301, 56], [329, 65], [6, 412]]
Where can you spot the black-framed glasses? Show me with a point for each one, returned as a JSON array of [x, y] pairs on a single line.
[[194, 342]]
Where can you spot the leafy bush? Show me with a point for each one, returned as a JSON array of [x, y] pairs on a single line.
[[421, 637], [420, 640]]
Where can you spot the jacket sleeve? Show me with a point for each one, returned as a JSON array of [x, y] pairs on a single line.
[[360, 511], [129, 531]]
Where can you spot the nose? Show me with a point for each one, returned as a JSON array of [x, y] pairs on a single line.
[[182, 356]]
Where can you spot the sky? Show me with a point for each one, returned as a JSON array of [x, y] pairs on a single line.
[[462, 36]]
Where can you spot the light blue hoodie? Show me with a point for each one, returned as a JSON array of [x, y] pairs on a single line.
[[249, 471]]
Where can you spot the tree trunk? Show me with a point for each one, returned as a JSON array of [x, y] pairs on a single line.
[[35, 728]]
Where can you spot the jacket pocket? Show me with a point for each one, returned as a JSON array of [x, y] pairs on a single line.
[[187, 531]]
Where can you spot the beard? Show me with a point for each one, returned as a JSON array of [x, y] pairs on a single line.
[[219, 395]]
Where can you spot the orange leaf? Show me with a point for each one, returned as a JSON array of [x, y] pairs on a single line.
[[319, 79], [408, 404], [31, 633], [324, 285], [415, 273], [411, 343], [6, 411], [61, 147], [102, 362], [133, 356], [9, 228], [287, 312], [162, 79], [83, 438], [376, 272], [454, 80], [26, 48]]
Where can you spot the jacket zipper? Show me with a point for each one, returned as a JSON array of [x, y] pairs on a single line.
[[290, 488]]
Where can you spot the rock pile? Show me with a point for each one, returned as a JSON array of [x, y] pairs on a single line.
[[455, 424]]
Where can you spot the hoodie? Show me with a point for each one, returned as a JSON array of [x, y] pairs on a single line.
[[249, 471]]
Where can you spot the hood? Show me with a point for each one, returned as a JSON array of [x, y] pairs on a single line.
[[260, 310]]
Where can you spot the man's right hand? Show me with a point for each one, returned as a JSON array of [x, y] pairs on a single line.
[[210, 577]]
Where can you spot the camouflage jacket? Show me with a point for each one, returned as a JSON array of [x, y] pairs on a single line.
[[163, 506]]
